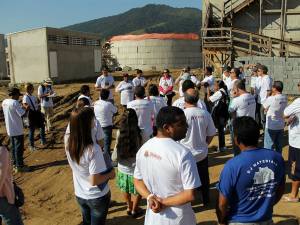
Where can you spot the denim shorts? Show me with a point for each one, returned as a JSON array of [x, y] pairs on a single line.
[[294, 163]]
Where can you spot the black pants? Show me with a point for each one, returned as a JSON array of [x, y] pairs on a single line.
[[202, 167], [207, 103], [169, 97], [258, 114], [221, 135]]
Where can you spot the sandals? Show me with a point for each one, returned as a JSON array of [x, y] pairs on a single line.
[[138, 213], [289, 199]]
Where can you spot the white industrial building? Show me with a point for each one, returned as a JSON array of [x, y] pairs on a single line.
[[62, 55], [157, 51]]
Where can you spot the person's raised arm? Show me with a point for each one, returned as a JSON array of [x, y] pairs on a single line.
[[208, 93], [119, 87]]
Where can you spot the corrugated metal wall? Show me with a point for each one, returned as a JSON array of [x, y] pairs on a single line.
[[158, 54]]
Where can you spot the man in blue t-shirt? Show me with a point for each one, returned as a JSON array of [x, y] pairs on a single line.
[[252, 182]]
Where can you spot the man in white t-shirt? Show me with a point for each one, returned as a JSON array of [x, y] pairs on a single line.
[[292, 113], [104, 112], [13, 112], [201, 130], [144, 110], [166, 172], [184, 75], [243, 103], [125, 88], [106, 81], [274, 106], [45, 94], [226, 76], [139, 80], [180, 103], [253, 81], [264, 91], [158, 103], [85, 93], [208, 81]]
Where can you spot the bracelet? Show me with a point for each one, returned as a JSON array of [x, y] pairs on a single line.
[[150, 196]]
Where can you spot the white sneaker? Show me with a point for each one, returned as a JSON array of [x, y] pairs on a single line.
[[32, 149]]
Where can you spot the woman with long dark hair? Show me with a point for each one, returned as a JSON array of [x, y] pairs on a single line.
[[87, 163], [128, 142]]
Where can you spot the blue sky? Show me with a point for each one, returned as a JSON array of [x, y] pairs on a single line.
[[17, 15]]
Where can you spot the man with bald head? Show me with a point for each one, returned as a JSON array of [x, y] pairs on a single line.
[[200, 133]]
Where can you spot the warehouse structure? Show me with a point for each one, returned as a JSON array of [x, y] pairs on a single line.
[[61, 55], [3, 70], [157, 51]]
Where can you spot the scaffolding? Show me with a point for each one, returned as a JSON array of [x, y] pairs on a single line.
[[222, 42]]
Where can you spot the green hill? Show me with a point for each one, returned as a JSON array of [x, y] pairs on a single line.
[[148, 19]]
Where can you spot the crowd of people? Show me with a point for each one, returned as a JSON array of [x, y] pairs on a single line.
[[161, 149]]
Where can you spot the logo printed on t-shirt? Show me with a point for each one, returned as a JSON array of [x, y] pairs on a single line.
[[153, 155], [263, 182]]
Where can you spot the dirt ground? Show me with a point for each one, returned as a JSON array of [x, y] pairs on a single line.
[[49, 188]]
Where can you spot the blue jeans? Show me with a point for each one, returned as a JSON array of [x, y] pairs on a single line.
[[94, 211], [274, 139], [31, 135], [10, 213], [107, 131], [17, 143]]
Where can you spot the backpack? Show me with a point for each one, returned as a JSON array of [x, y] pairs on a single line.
[[220, 113]]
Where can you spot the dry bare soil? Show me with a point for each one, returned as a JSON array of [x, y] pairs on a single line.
[[49, 188]]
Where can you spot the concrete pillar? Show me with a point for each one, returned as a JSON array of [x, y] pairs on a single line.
[[3, 69]]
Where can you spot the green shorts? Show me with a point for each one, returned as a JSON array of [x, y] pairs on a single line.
[[125, 183]]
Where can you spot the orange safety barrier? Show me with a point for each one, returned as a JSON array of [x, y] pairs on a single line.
[[190, 36]]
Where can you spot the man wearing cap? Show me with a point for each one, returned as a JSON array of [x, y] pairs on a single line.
[[182, 77], [45, 94], [106, 81], [13, 112]]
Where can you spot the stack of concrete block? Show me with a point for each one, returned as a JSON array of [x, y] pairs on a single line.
[[286, 70]]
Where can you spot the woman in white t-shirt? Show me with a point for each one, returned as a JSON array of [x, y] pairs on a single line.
[[88, 166], [128, 141], [125, 87], [158, 103], [221, 94], [166, 85]]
